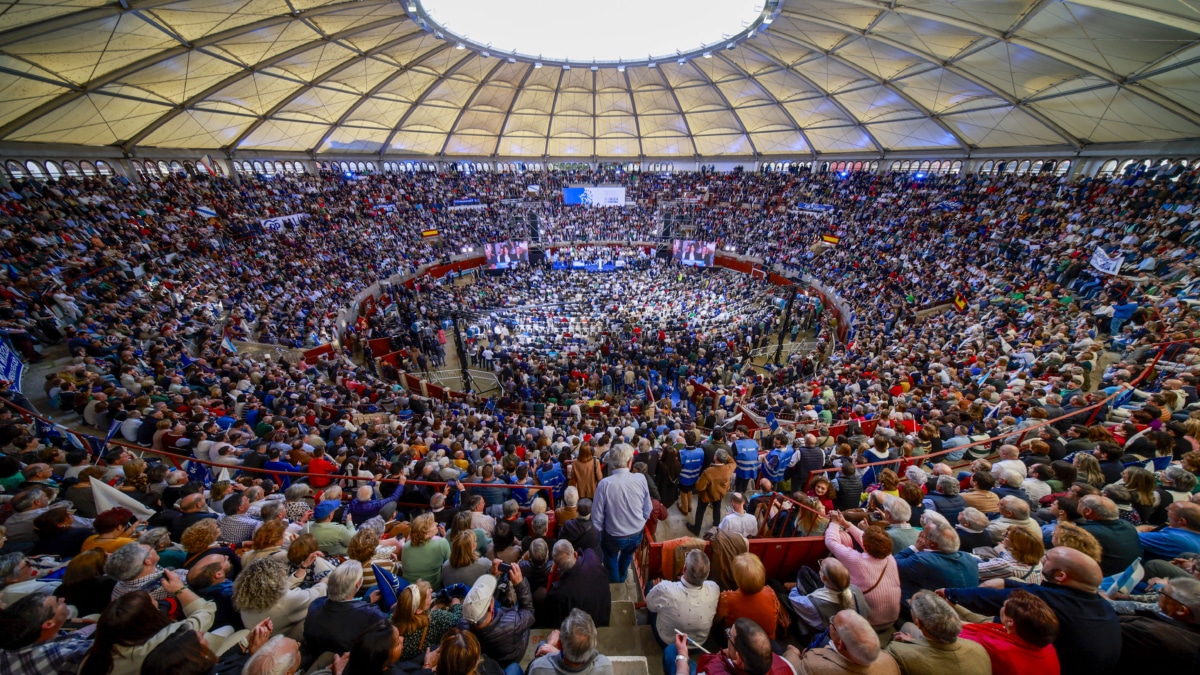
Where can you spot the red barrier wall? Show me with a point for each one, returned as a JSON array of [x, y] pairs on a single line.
[[313, 355]]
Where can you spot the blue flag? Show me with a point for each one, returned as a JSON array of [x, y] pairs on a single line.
[[199, 473]]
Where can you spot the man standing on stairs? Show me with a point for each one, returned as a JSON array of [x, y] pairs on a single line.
[[576, 586], [620, 510]]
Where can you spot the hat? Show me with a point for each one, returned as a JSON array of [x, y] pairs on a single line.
[[324, 509], [479, 599]]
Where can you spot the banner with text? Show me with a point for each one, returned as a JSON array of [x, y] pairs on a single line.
[[594, 196], [276, 224], [1109, 264], [11, 365]]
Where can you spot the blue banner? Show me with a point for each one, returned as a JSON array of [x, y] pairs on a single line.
[[594, 196], [11, 366]]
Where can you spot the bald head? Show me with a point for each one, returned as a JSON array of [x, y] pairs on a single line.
[[1072, 568], [1185, 515], [364, 493], [191, 503]]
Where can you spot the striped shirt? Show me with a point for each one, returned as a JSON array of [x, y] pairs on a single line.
[[880, 576]]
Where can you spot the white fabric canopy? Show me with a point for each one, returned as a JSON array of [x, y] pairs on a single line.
[[826, 76]]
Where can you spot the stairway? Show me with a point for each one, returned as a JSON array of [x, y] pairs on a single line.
[[630, 645]]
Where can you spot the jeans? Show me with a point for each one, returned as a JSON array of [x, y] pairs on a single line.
[[669, 655], [618, 553]]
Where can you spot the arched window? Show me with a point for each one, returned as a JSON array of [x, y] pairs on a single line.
[[35, 170], [177, 168], [1011, 167], [15, 170], [935, 167], [1127, 165], [1036, 167], [1023, 167], [190, 168], [278, 167], [72, 169], [905, 166], [1062, 168], [88, 169], [288, 167], [103, 168], [1108, 168], [54, 170], [987, 167], [301, 168]]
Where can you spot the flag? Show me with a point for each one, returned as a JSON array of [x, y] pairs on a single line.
[[960, 303], [108, 497], [198, 473], [830, 238], [1109, 264], [205, 211], [948, 205], [228, 346], [89, 444], [223, 476], [772, 422], [186, 361]]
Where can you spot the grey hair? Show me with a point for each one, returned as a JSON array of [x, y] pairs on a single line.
[[942, 534], [1105, 508], [578, 637], [1018, 507], [571, 496], [364, 493], [858, 637], [915, 474], [538, 551], [696, 567], [1186, 591], [296, 492], [9, 562], [897, 510], [271, 510], [974, 517], [947, 485], [332, 492], [125, 562], [511, 507], [437, 501], [1012, 478], [267, 660], [254, 493], [938, 620], [344, 581], [158, 537], [541, 523], [620, 456], [564, 555], [722, 456], [1181, 479]]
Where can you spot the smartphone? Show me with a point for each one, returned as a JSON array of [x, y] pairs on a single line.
[[505, 568]]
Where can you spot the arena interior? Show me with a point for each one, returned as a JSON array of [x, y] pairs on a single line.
[[465, 337]]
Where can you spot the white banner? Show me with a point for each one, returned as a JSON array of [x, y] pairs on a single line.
[[1106, 263], [276, 224]]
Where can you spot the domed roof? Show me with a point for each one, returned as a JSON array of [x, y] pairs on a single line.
[[822, 76]]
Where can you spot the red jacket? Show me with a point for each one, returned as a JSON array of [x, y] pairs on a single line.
[[717, 664], [321, 465], [1009, 653]]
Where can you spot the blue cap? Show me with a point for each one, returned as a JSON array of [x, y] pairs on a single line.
[[324, 509]]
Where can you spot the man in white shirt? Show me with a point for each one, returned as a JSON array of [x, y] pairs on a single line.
[[740, 522], [687, 605], [1008, 461]]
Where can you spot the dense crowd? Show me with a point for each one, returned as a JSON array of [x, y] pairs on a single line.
[[364, 529]]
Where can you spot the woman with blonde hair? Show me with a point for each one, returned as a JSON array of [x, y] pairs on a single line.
[[267, 542], [263, 591], [1149, 500], [421, 626], [464, 565], [753, 599], [364, 547], [1018, 556], [1073, 536], [425, 552], [1089, 470], [817, 605]]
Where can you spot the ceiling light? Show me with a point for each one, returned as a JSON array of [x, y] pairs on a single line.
[[537, 65], [731, 45], [484, 54], [511, 60], [439, 35], [707, 55], [620, 69], [682, 61], [412, 8], [566, 67], [595, 68], [652, 65], [768, 19], [460, 46]]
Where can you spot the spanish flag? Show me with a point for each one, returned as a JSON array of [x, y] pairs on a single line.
[[830, 239], [960, 303]]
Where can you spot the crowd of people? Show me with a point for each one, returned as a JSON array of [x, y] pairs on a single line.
[[265, 516]]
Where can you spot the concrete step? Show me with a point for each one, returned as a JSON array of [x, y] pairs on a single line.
[[613, 641]]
